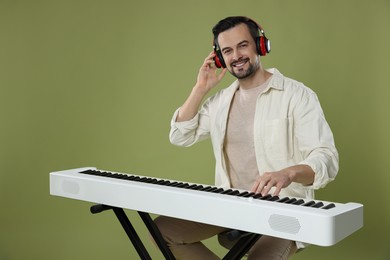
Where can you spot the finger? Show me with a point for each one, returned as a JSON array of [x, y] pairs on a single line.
[[210, 56], [260, 188], [255, 185], [277, 191], [267, 188]]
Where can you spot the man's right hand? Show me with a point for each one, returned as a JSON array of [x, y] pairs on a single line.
[[208, 76]]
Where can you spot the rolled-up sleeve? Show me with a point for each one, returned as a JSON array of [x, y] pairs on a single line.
[[187, 133], [316, 142]]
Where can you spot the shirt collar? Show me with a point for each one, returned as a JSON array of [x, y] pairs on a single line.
[[276, 80]]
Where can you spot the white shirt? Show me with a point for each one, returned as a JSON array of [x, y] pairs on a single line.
[[289, 129]]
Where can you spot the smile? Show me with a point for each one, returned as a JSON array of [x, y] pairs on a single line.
[[240, 63]]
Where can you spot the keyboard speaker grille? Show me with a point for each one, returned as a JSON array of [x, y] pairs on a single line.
[[284, 224]]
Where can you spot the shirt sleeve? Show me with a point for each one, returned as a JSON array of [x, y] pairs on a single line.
[[316, 141], [187, 133]]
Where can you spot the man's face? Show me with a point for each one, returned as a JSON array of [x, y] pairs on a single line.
[[239, 51]]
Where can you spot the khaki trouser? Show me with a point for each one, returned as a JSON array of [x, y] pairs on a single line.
[[184, 239]]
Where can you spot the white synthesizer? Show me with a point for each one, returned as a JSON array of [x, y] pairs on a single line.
[[315, 222]]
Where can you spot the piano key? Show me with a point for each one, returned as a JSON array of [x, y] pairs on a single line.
[[177, 184], [318, 205], [198, 187], [165, 183], [235, 192], [283, 200], [242, 194], [207, 188], [292, 200], [227, 191], [266, 197], [183, 185], [159, 182], [250, 194], [309, 203], [274, 198], [143, 179], [212, 189], [191, 186], [329, 206], [298, 202], [257, 196], [172, 184]]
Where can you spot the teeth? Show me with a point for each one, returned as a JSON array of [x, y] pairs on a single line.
[[239, 64]]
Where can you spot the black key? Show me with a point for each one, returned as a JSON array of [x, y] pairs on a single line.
[[159, 182], [219, 190], [191, 186], [127, 177], [242, 194], [274, 198], [177, 184], [230, 192], [309, 203], [318, 205], [213, 189], [257, 196], [152, 181], [266, 197], [136, 178], [298, 202], [87, 171], [183, 185], [207, 188], [197, 187], [290, 201], [329, 206], [235, 192], [108, 174], [143, 179], [250, 194], [283, 200]]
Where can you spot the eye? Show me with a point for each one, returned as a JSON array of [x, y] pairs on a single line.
[[227, 51], [243, 45]]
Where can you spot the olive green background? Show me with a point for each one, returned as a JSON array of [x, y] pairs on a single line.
[[95, 83]]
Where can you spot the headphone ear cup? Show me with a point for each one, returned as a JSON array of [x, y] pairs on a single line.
[[262, 45], [218, 59]]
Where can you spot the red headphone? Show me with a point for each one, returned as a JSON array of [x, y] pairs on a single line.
[[263, 46]]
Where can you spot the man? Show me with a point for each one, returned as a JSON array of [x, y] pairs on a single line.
[[268, 133]]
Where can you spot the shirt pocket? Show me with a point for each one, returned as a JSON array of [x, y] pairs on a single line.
[[278, 138]]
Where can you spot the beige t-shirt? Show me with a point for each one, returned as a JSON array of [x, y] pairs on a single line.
[[239, 148]]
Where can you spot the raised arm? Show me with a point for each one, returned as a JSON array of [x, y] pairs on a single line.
[[208, 77]]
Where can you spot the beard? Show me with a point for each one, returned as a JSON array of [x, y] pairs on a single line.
[[243, 73]]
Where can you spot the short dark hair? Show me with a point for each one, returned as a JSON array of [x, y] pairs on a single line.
[[232, 21]]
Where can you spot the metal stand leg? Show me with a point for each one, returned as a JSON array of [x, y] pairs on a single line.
[[242, 247], [128, 227], [156, 234]]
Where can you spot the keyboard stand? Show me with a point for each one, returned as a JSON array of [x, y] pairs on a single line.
[[245, 242]]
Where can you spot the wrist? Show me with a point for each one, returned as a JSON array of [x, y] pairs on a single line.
[[200, 90]]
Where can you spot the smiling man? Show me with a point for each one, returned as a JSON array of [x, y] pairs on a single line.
[[268, 132]]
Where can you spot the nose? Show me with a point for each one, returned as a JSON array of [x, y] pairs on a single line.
[[236, 55]]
